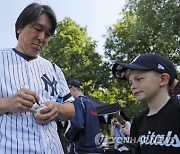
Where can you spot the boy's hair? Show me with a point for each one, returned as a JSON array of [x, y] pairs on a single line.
[[31, 13], [146, 62]]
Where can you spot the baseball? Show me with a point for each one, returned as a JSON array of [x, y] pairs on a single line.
[[39, 109]]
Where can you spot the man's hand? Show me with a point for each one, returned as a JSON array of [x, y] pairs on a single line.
[[48, 113], [21, 101]]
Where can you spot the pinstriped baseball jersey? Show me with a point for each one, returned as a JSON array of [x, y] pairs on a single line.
[[19, 133]]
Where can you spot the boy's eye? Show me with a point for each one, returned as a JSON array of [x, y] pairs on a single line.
[[130, 83], [138, 79]]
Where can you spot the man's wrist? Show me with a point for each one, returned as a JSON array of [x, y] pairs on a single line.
[[4, 106]]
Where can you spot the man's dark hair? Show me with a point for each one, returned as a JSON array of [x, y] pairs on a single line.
[[31, 13]]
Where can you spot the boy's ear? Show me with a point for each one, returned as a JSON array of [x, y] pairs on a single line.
[[164, 79]]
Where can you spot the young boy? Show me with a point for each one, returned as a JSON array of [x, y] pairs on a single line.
[[157, 130]]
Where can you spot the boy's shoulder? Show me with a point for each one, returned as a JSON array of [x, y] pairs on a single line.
[[172, 105], [174, 101]]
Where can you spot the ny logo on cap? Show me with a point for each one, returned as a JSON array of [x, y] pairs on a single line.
[[161, 67]]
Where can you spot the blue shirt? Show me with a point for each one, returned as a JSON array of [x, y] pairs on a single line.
[[84, 127]]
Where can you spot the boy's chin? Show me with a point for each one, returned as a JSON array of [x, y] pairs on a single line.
[[141, 99]]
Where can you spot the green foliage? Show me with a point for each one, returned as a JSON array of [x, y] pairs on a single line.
[[74, 52], [147, 26]]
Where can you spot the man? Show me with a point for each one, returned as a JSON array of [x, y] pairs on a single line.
[[28, 80], [156, 130], [174, 90], [85, 124]]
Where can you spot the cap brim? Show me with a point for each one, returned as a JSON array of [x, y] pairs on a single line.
[[119, 69], [134, 67]]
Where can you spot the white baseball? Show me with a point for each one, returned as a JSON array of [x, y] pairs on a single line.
[[38, 110]]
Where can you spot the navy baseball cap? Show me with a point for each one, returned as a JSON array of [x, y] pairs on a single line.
[[147, 62], [75, 83]]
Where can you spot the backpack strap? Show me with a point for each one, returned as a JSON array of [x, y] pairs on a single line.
[[61, 99]]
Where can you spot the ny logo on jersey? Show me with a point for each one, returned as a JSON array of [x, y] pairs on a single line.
[[52, 84]]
